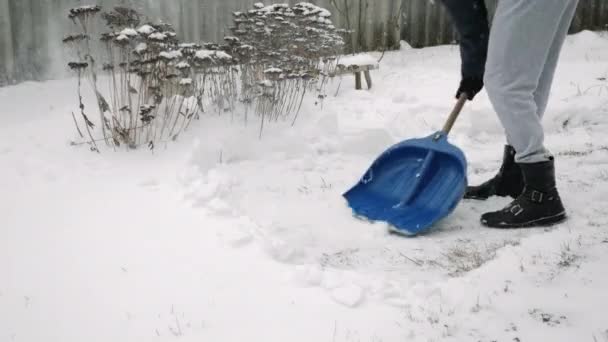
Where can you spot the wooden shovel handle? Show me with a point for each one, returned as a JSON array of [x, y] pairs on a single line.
[[455, 112]]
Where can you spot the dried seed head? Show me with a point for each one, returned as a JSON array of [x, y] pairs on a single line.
[[163, 27], [143, 73], [77, 66], [107, 37], [122, 40], [83, 12], [122, 17], [232, 40], [75, 38]]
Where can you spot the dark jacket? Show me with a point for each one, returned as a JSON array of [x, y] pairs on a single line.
[[471, 20]]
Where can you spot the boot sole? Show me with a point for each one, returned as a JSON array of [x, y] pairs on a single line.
[[542, 222], [475, 198], [481, 198]]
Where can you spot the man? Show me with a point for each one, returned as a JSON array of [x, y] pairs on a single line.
[[516, 61]]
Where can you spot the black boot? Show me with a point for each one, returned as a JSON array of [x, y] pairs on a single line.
[[508, 182], [538, 205]]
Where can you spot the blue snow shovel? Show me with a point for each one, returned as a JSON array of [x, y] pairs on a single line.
[[413, 184]]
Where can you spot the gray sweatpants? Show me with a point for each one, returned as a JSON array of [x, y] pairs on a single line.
[[525, 42]]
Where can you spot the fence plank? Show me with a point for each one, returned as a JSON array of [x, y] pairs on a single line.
[[6, 44]]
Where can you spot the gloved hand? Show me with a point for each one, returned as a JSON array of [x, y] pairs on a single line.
[[471, 86]]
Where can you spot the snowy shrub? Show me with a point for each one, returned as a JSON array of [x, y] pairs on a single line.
[[283, 51], [152, 96], [158, 85]]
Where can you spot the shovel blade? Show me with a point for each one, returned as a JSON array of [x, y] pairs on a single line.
[[412, 185]]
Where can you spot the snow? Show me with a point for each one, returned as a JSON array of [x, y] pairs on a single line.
[[122, 37], [274, 8], [141, 48], [205, 54], [146, 29], [158, 36], [222, 55], [358, 60], [212, 55], [273, 71], [188, 46], [311, 9], [232, 39], [266, 83], [129, 32], [185, 81], [85, 8], [182, 65], [220, 236], [174, 54]]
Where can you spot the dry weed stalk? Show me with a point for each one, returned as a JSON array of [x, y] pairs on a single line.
[[154, 85]]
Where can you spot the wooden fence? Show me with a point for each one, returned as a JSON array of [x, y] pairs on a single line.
[[31, 30], [426, 23]]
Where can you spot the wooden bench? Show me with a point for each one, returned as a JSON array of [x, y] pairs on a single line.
[[357, 65]]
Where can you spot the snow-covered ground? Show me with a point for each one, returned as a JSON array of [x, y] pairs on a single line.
[[225, 237]]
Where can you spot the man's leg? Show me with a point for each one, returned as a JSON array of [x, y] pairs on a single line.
[[521, 41], [541, 96], [525, 43]]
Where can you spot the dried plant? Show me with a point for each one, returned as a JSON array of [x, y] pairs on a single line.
[[283, 52], [149, 90], [157, 85]]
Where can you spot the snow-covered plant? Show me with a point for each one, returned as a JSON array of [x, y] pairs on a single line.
[[157, 85], [82, 17], [152, 94], [283, 51]]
